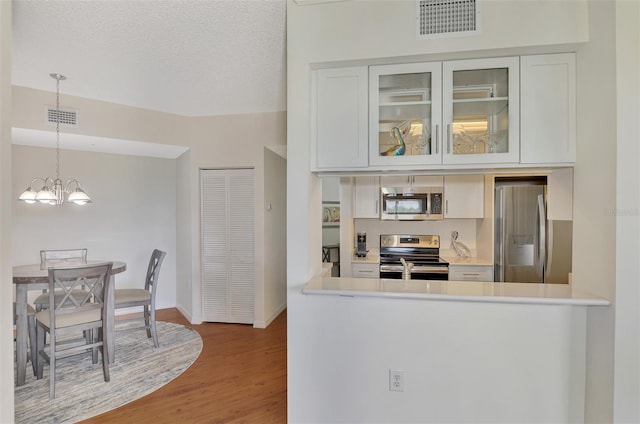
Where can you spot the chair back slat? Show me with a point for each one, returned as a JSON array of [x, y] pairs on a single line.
[[153, 270], [96, 280], [54, 258]]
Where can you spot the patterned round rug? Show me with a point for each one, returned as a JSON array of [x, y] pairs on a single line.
[[138, 370]]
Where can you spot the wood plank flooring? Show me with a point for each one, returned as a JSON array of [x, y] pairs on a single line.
[[240, 377]]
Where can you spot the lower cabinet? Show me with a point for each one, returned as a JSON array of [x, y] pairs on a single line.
[[470, 273], [365, 270]]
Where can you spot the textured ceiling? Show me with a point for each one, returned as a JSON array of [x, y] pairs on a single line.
[[187, 57]]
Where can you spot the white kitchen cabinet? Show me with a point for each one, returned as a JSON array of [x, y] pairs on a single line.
[[365, 270], [548, 108], [366, 197], [480, 111], [339, 136], [470, 273], [560, 195], [464, 196], [405, 114], [411, 180]]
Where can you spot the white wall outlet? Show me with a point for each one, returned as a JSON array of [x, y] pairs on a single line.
[[396, 381]]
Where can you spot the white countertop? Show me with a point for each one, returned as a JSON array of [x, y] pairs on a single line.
[[371, 258], [454, 260], [466, 291]]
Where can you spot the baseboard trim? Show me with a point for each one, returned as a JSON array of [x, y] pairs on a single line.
[[265, 324], [186, 314]]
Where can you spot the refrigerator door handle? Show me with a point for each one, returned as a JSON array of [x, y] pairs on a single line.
[[547, 265], [542, 230], [500, 260]]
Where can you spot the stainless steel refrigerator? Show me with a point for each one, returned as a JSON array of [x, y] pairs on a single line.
[[528, 248]]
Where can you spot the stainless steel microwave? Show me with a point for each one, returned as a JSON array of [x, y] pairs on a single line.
[[411, 203]]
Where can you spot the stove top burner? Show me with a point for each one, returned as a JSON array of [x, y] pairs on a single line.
[[419, 249]]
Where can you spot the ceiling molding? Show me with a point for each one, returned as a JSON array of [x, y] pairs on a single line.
[[37, 138]]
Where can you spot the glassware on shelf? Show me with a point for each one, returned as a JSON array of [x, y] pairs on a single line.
[[400, 148], [411, 138]]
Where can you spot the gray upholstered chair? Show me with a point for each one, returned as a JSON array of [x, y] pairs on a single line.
[[55, 258], [75, 315], [31, 326], [126, 298]]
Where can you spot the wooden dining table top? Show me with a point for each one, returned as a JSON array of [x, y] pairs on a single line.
[[34, 273]]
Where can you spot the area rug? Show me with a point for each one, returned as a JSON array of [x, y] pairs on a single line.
[[138, 370]]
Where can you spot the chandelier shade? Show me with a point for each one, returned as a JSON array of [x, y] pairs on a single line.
[[52, 191]]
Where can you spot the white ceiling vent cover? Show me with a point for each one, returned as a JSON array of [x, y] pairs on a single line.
[[68, 117], [447, 18]]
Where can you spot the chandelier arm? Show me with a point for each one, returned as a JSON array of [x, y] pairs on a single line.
[[67, 185]]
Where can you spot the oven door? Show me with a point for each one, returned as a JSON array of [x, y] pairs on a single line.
[[418, 272]]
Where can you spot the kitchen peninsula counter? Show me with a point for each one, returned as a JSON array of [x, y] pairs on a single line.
[[461, 291]]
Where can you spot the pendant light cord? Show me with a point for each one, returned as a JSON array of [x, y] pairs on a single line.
[[57, 128]]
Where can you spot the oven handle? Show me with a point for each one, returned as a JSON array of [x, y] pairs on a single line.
[[417, 269]]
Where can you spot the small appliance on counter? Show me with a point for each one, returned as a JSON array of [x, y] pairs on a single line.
[[361, 245]]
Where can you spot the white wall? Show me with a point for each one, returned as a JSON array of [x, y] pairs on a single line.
[[595, 175], [184, 271], [233, 141], [626, 407], [275, 237], [6, 328], [382, 31], [133, 212], [463, 362]]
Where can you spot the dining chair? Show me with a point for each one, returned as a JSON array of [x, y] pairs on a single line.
[[72, 314], [31, 327], [126, 298], [54, 258]]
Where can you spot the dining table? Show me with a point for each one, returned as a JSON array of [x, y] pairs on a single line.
[[36, 277]]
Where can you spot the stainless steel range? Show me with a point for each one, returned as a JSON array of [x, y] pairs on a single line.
[[423, 251]]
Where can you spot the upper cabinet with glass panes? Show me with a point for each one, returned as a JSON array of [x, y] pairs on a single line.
[[480, 108], [405, 114], [445, 115], [457, 112]]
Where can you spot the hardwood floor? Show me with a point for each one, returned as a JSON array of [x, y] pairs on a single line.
[[240, 377]]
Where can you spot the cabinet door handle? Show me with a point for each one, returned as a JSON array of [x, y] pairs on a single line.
[[449, 137], [437, 137], [377, 203], [446, 206]]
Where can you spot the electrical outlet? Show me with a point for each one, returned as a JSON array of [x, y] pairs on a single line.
[[396, 381]]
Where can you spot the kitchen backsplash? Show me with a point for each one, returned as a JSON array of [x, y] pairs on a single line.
[[466, 229]]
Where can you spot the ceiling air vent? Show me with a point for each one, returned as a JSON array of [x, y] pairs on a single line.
[[66, 117], [447, 18]]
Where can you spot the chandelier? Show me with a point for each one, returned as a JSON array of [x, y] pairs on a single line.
[[52, 191]]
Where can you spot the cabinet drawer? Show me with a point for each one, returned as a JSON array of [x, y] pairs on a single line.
[[365, 270], [470, 273]]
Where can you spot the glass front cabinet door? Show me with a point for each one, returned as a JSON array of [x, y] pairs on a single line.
[[480, 107], [405, 114]]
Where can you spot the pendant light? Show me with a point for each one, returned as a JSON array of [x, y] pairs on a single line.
[[52, 191]]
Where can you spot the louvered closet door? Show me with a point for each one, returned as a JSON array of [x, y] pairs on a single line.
[[228, 270]]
